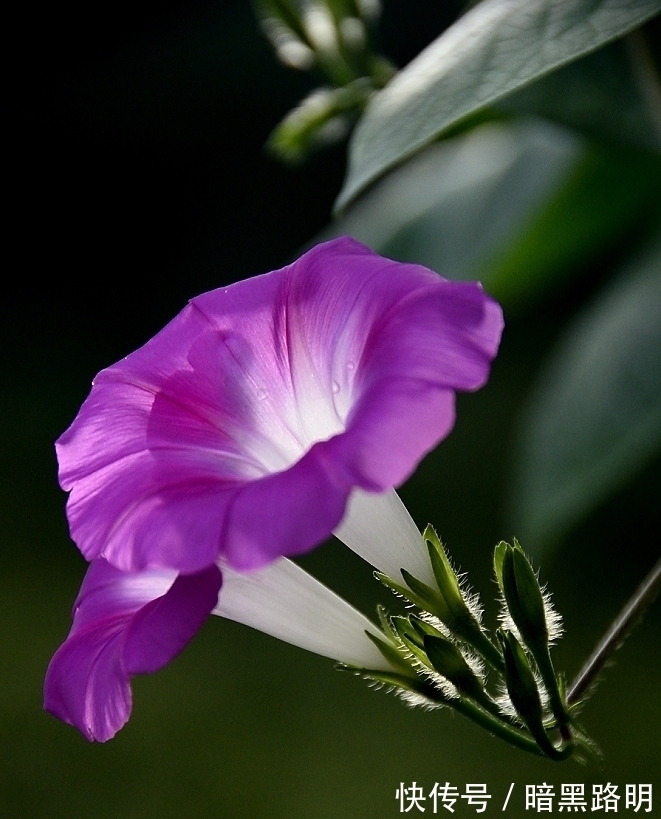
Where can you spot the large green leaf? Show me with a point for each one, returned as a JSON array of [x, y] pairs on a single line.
[[496, 48], [595, 419]]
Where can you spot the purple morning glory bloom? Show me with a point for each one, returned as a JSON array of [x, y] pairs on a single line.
[[265, 416], [244, 426]]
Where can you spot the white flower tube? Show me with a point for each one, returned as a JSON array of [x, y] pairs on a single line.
[[286, 602], [379, 528]]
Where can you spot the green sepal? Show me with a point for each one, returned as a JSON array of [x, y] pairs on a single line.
[[403, 628], [286, 14], [401, 590], [392, 655], [423, 628], [406, 683], [386, 625], [459, 619], [411, 639], [498, 558], [434, 602], [446, 658], [446, 578], [586, 749], [561, 682], [520, 681], [524, 597], [323, 118]]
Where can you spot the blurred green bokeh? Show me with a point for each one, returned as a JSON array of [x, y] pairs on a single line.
[[141, 131]]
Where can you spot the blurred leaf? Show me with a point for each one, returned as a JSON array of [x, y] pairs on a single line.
[[518, 205], [595, 419], [460, 201], [585, 94], [496, 48], [607, 192]]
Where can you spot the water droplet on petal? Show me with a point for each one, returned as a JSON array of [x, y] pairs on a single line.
[[351, 366], [262, 394], [336, 387]]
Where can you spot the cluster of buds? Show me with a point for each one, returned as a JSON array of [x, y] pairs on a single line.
[[442, 655], [335, 38]]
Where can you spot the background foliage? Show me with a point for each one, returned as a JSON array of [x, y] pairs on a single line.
[[138, 131]]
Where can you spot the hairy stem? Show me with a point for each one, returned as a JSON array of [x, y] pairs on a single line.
[[618, 632]]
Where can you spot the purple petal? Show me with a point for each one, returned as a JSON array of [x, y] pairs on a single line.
[[123, 624], [244, 425], [289, 511]]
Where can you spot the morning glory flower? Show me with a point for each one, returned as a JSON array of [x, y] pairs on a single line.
[[128, 623], [264, 417], [244, 427]]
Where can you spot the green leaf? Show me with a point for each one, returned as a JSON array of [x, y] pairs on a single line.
[[498, 47], [585, 94], [595, 418]]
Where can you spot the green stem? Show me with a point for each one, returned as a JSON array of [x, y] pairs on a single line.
[[490, 722], [622, 626], [493, 724], [496, 726], [546, 669]]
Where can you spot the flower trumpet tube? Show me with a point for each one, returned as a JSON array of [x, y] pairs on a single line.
[[243, 428], [286, 602], [380, 529], [128, 623]]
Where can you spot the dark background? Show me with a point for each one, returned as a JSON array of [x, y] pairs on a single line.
[[137, 180]]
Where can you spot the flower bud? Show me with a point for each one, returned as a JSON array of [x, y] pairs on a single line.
[[523, 596], [531, 613]]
